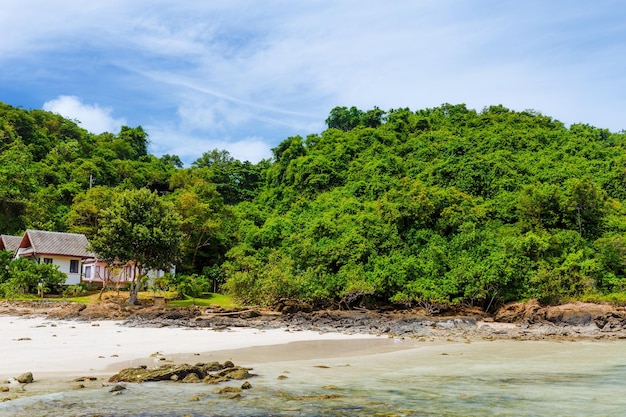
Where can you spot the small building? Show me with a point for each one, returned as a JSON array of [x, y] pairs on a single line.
[[97, 271], [10, 243], [67, 250]]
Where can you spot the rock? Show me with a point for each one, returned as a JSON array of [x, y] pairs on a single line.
[[238, 373], [579, 314], [185, 373], [212, 380], [246, 385], [25, 378], [529, 312], [191, 378], [4, 389], [85, 378], [161, 373], [117, 388], [463, 323], [226, 390]]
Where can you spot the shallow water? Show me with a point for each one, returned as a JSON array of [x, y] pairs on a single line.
[[503, 378]]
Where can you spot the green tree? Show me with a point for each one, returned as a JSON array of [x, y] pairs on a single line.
[[84, 215], [140, 229]]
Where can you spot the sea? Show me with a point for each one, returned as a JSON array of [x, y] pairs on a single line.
[[409, 378]]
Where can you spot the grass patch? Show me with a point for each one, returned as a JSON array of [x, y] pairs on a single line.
[[206, 300], [615, 298]]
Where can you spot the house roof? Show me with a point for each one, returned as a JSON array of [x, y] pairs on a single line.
[[10, 243], [56, 243]]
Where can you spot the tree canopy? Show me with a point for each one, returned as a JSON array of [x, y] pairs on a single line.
[[140, 229], [431, 207]]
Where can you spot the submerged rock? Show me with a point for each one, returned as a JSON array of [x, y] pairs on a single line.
[[117, 388]]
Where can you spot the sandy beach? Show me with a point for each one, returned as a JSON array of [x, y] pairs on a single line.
[[43, 346]]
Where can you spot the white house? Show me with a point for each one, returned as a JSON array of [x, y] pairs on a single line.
[[67, 250]]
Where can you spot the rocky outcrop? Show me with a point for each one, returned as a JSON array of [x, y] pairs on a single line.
[[209, 373], [602, 316], [528, 313]]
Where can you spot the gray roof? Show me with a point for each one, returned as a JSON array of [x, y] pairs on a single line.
[[56, 243], [10, 243]]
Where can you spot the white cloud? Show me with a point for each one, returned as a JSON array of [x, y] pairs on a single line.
[[189, 146], [94, 118], [201, 75], [250, 149]]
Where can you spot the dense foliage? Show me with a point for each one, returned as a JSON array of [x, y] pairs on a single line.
[[429, 207], [21, 276], [439, 206], [141, 229]]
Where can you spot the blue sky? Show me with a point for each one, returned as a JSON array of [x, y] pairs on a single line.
[[245, 75]]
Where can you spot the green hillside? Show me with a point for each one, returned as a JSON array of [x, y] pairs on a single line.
[[438, 206], [430, 207]]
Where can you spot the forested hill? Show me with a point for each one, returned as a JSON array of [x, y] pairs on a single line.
[[438, 206], [428, 207], [46, 160]]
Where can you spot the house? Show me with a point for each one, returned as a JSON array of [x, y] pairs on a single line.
[[67, 250], [9, 243], [96, 270]]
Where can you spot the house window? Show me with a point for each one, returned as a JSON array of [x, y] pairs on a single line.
[[88, 272], [73, 266], [47, 261]]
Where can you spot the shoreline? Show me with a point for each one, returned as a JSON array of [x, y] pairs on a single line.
[[79, 353]]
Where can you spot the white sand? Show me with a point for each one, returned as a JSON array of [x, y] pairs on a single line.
[[41, 345]]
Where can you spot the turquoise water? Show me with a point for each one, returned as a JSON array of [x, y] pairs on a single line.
[[456, 379]]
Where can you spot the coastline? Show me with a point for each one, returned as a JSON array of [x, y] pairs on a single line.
[[76, 351], [389, 377]]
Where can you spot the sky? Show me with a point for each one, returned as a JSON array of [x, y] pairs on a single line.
[[244, 75]]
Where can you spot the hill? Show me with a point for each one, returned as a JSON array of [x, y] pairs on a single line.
[[438, 206], [426, 208]]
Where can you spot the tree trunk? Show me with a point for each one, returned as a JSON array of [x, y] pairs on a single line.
[[133, 299], [134, 287]]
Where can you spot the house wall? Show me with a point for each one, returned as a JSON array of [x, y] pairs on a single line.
[[97, 272], [64, 266]]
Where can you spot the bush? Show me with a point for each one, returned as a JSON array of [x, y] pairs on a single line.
[[193, 285], [26, 277], [75, 290]]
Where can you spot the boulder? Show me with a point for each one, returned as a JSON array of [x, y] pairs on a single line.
[[161, 373], [578, 314], [185, 373], [191, 378], [226, 390], [528, 312], [25, 378], [117, 388]]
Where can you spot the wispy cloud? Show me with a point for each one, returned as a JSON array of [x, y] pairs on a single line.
[[200, 75]]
